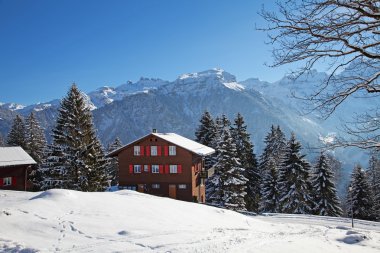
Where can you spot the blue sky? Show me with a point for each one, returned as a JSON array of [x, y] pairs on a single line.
[[46, 45]]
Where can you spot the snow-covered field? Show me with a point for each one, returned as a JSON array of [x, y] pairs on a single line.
[[127, 221]]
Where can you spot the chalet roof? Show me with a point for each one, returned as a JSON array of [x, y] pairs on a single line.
[[178, 140], [11, 156]]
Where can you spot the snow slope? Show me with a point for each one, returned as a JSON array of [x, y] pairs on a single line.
[[127, 221]]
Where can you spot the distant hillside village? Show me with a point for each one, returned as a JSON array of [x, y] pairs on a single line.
[[218, 168]]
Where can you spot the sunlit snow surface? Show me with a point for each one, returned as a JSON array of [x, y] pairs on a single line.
[[126, 221]]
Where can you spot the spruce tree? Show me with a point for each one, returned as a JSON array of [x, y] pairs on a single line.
[[17, 135], [206, 135], [112, 165], [360, 197], [270, 161], [2, 142], [35, 138], [270, 193], [373, 174], [244, 151], [76, 159], [294, 181], [324, 192], [233, 182]]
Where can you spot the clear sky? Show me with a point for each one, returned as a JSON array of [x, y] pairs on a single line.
[[45, 45]]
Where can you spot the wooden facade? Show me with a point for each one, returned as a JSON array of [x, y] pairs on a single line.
[[158, 166], [15, 164]]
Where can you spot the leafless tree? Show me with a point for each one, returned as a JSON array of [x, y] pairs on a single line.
[[338, 34]]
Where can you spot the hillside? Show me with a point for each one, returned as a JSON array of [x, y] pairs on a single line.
[[127, 221]]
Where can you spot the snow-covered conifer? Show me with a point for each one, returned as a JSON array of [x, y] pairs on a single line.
[[17, 135], [294, 181], [360, 197], [76, 158], [206, 135], [373, 174], [112, 165], [270, 193], [324, 194], [35, 138], [244, 151]]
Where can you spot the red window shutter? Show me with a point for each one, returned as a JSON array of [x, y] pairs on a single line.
[[166, 169], [161, 169], [148, 168], [166, 150], [147, 150], [131, 168], [1, 181], [142, 150], [13, 181], [179, 168], [159, 150]]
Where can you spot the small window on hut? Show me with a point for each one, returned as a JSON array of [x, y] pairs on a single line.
[[155, 169], [153, 150], [173, 169], [155, 186], [181, 186], [137, 168], [172, 150], [7, 181]]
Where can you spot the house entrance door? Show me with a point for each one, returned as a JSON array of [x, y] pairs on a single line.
[[172, 191], [140, 188]]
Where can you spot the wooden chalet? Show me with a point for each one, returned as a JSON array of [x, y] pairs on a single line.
[[14, 166], [164, 164]]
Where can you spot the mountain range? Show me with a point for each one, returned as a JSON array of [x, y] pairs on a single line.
[[133, 109]]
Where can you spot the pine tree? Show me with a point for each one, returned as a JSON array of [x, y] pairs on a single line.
[[270, 161], [244, 151], [233, 182], [324, 192], [17, 135], [2, 143], [360, 198], [270, 193], [373, 174], [213, 184], [112, 165], [206, 134], [76, 158], [35, 139], [294, 181]]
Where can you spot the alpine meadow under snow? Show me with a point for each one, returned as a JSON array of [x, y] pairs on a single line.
[[128, 221]]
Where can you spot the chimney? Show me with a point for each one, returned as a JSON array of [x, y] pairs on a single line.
[[154, 130]]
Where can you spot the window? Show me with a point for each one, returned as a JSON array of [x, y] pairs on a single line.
[[146, 168], [172, 150], [153, 150], [136, 150], [129, 187], [155, 186], [137, 168], [155, 169], [7, 181], [181, 186], [173, 168]]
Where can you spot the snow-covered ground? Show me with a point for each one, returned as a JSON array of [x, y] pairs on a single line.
[[127, 221]]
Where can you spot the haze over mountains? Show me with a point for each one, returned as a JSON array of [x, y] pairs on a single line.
[[133, 109]]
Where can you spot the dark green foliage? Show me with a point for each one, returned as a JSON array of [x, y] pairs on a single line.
[[324, 192], [373, 174], [206, 135], [270, 193], [76, 159], [112, 165], [294, 181], [35, 139], [359, 197], [244, 151], [17, 135]]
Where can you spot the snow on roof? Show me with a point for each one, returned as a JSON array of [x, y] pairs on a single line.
[[176, 139], [186, 143], [10, 156]]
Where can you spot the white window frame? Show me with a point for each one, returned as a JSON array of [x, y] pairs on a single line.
[[173, 169], [136, 150], [7, 181], [172, 150], [146, 168], [137, 168], [182, 186], [153, 150], [155, 186], [155, 168]]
